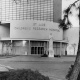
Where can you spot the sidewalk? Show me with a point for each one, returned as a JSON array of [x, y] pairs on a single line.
[[39, 59]]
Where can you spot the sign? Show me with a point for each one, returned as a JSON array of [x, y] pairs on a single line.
[[35, 29]]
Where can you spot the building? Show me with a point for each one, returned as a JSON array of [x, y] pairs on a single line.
[[27, 26]]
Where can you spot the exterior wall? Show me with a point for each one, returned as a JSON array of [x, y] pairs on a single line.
[[19, 49], [4, 33], [57, 10], [56, 47], [1, 47], [5, 30], [43, 13], [64, 49], [14, 48], [23, 10], [72, 35], [47, 10], [35, 30], [6, 47], [59, 48]]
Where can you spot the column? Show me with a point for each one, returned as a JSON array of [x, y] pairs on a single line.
[[1, 47], [60, 48], [29, 48], [11, 47]]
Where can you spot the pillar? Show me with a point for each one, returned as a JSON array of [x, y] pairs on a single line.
[[11, 47], [0, 47], [29, 48], [60, 48]]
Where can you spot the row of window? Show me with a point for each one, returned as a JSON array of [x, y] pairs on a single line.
[[27, 9]]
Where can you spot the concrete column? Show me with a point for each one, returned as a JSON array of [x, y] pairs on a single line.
[[29, 48], [47, 47], [60, 48], [0, 47], [11, 47]]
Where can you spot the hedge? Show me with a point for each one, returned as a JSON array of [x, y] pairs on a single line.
[[24, 74]]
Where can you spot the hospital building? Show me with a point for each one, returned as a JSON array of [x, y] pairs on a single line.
[[26, 27]]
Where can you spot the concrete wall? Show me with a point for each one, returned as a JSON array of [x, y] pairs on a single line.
[[16, 48], [54, 10], [35, 30], [19, 49], [5, 30], [57, 12], [0, 47], [4, 33], [72, 35]]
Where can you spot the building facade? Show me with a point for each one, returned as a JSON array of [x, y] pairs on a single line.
[[27, 26]]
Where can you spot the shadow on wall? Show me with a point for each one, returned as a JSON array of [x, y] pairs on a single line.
[[5, 30]]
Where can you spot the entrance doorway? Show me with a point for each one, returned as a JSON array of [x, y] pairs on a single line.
[[38, 47], [37, 50]]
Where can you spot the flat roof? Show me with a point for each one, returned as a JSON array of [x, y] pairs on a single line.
[[8, 39]]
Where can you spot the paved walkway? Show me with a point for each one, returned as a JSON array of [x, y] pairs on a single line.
[[38, 58]]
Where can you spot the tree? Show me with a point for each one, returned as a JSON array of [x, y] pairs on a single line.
[[65, 23]]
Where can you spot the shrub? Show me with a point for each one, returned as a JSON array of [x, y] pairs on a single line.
[[44, 55], [57, 56], [24, 74]]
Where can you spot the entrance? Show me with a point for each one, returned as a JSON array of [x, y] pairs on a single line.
[[38, 47], [37, 50]]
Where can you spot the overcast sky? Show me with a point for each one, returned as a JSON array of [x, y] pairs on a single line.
[[66, 3]]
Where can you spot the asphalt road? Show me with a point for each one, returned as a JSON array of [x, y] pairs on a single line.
[[55, 68]]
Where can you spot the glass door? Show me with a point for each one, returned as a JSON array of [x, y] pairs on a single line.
[[42, 50], [37, 50]]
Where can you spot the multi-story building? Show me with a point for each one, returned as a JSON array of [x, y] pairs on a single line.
[[27, 25]]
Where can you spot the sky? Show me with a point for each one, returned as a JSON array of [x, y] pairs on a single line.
[[66, 3], [73, 18]]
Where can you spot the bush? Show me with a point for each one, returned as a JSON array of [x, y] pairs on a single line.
[[70, 71], [44, 55], [25, 74], [57, 56]]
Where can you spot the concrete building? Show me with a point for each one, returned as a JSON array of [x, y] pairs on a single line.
[[27, 26]]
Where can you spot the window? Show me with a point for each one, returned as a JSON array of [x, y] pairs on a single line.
[[27, 9]]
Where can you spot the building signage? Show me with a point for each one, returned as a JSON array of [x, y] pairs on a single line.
[[35, 29]]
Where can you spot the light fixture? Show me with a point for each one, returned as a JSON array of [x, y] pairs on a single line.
[[24, 42]]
